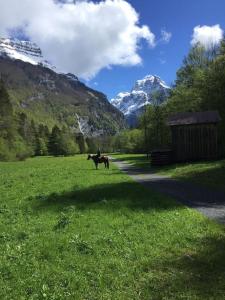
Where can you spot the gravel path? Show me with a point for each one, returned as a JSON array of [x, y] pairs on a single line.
[[209, 202]]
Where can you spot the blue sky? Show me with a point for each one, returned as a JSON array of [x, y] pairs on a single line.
[[176, 16]]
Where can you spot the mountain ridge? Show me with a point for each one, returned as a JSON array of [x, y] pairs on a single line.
[[149, 90], [51, 97]]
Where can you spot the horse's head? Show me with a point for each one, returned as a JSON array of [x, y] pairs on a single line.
[[89, 157]]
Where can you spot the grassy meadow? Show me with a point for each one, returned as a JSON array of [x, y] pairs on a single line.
[[68, 231]]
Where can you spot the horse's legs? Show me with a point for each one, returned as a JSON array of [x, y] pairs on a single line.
[[96, 166]]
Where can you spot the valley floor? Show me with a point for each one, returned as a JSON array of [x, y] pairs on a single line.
[[68, 231]]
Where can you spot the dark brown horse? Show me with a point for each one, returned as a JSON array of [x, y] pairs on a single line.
[[99, 160]]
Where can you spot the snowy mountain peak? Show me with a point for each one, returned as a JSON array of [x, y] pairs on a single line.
[[28, 52], [148, 83], [23, 50], [145, 91], [25, 47]]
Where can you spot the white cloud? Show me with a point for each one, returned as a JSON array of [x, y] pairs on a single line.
[[165, 36], [81, 38], [207, 36]]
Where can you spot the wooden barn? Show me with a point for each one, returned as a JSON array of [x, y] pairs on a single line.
[[194, 135]]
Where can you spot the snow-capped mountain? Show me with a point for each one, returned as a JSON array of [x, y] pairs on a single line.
[[149, 90], [23, 50], [28, 52]]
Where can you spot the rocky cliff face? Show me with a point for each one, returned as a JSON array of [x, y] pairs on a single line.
[[149, 90], [51, 97], [23, 50]]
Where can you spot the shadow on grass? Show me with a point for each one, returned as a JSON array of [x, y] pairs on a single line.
[[203, 173], [109, 197], [141, 160], [200, 272], [129, 157]]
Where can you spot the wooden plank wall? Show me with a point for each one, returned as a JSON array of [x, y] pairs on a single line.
[[195, 142]]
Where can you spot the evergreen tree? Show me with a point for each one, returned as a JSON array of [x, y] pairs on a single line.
[[92, 145], [41, 147], [55, 142], [82, 143], [7, 124], [5, 104], [12, 144], [23, 126], [62, 142], [42, 139]]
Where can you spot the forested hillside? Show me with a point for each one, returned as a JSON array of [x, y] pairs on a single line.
[[44, 112], [21, 137]]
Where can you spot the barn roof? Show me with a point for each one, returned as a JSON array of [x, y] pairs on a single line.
[[189, 118]]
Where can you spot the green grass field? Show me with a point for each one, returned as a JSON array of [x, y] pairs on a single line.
[[211, 174], [68, 231]]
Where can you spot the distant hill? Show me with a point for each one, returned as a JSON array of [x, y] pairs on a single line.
[[51, 97], [145, 91]]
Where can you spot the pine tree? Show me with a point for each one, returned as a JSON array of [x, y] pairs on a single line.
[[82, 143], [12, 145], [55, 142], [5, 104], [7, 125], [41, 147]]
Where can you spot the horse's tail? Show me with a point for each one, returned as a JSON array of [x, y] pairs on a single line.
[[107, 162]]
